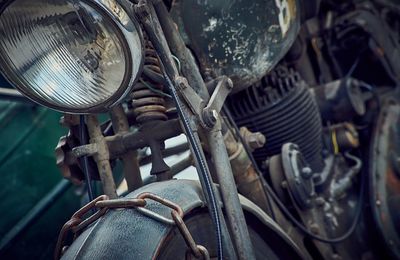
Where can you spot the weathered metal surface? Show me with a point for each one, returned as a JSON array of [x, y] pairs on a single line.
[[215, 141], [130, 158], [240, 39], [102, 157], [147, 95], [111, 236], [235, 216], [246, 178], [153, 28], [298, 176], [384, 175], [215, 103]]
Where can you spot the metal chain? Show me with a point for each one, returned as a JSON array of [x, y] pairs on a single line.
[[77, 222], [177, 219]]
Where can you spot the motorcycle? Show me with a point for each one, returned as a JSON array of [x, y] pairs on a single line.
[[290, 109]]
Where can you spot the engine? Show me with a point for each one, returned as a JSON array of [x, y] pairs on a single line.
[[328, 113], [283, 109]]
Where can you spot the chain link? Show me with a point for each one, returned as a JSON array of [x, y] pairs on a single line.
[[77, 222]]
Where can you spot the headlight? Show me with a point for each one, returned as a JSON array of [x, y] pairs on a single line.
[[70, 55]]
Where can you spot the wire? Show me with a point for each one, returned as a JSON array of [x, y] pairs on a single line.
[[177, 61], [155, 90], [287, 212], [307, 232], [335, 142], [84, 160], [203, 170]]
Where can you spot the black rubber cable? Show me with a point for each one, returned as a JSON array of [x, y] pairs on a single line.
[[202, 165], [307, 232], [287, 212], [84, 159]]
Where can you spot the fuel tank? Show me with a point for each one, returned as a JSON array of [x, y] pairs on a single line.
[[238, 38]]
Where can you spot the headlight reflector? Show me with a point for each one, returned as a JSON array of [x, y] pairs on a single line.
[[73, 56]]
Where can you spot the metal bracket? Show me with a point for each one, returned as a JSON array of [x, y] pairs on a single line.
[[208, 114], [85, 150], [217, 100], [195, 102]]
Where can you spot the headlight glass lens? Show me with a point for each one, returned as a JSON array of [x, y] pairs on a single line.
[[67, 53]]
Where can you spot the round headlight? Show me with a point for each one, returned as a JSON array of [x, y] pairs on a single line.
[[69, 55]]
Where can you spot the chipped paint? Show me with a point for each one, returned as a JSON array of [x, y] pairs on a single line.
[[240, 39], [212, 25]]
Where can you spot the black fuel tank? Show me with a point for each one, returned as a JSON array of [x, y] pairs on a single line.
[[239, 38]]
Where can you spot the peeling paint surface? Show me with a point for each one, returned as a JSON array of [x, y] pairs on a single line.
[[238, 38]]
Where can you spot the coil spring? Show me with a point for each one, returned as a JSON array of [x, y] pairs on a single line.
[[148, 101]]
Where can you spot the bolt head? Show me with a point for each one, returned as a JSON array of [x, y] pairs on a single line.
[[256, 140], [306, 172]]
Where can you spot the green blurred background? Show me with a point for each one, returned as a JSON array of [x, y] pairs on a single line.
[[29, 135]]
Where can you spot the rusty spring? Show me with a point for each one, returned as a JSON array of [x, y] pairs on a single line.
[[148, 95]]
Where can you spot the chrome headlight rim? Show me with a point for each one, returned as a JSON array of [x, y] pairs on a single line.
[[124, 35]]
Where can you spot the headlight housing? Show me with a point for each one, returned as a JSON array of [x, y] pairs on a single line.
[[74, 56]]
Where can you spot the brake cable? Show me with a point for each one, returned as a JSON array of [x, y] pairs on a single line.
[[203, 170]]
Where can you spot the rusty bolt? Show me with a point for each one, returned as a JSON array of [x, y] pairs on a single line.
[[181, 82], [210, 117], [256, 140], [253, 140]]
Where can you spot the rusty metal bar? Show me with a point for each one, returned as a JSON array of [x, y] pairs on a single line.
[[119, 145], [130, 161], [218, 150], [232, 206], [150, 22], [102, 156], [175, 150]]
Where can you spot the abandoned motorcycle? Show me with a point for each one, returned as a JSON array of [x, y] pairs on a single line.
[[294, 138]]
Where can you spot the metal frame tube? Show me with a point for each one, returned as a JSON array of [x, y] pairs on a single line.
[[151, 25], [102, 157], [130, 161], [218, 150]]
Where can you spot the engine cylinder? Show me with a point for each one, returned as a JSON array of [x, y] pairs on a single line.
[[283, 109]]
